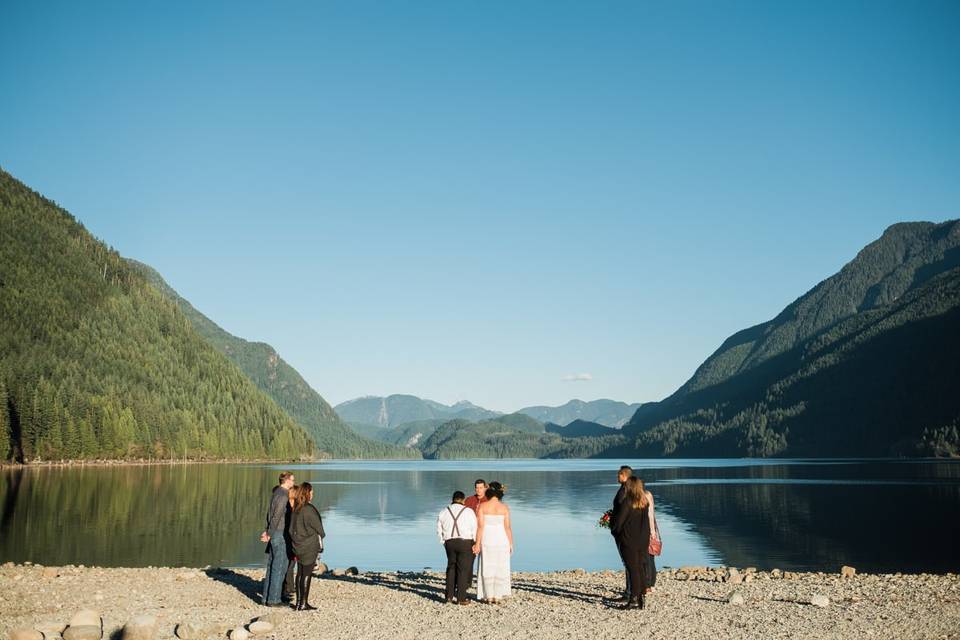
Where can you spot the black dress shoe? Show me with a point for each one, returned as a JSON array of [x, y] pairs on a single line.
[[307, 607], [621, 600]]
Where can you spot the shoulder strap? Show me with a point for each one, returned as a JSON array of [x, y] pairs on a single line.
[[456, 529]]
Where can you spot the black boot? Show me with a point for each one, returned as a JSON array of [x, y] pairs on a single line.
[[296, 605], [305, 605]]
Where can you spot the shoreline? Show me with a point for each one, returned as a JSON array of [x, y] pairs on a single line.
[[688, 602]]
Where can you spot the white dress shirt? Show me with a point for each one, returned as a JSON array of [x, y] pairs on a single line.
[[466, 523]]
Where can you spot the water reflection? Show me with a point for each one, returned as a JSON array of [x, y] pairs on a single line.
[[877, 515]]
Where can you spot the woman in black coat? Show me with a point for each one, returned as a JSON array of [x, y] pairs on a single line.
[[631, 523], [306, 533]]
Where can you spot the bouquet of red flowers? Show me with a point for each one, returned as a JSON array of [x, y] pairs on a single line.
[[604, 522]]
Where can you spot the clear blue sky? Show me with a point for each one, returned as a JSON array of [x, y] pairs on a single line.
[[478, 199]]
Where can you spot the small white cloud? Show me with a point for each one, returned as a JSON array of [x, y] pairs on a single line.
[[577, 377]]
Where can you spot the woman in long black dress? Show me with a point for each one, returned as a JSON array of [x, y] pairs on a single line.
[[306, 532], [631, 523]]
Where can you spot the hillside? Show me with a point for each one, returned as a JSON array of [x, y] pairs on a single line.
[[867, 363], [391, 411], [275, 377], [609, 413], [580, 429], [96, 363], [510, 436]]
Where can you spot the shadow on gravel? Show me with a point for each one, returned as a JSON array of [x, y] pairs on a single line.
[[709, 599], [244, 584], [403, 582], [557, 592]]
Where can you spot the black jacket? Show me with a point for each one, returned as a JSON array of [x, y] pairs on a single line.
[[306, 529], [631, 526]]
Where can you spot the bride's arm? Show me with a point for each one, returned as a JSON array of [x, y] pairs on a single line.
[[652, 516], [506, 526], [476, 544]]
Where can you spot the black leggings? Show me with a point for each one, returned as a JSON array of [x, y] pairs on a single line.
[[304, 574]]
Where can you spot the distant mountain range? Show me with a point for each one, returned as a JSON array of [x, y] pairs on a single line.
[[609, 413], [867, 363], [391, 411], [396, 410]]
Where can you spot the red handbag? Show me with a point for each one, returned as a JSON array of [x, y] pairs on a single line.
[[656, 544]]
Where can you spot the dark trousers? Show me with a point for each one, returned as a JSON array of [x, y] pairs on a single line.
[[638, 561], [459, 567], [626, 572]]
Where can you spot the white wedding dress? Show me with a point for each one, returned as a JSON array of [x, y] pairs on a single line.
[[493, 578]]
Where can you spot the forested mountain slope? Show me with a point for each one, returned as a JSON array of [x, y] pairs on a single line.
[[275, 377], [865, 364], [96, 363]]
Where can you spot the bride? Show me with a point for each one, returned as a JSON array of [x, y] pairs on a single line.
[[495, 545]]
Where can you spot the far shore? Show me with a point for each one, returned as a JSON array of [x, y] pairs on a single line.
[[688, 602]]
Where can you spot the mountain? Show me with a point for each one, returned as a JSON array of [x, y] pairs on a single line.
[[867, 363], [96, 363], [609, 413], [398, 409], [510, 436], [275, 377], [581, 429]]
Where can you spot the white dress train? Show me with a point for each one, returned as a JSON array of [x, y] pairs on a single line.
[[493, 577]]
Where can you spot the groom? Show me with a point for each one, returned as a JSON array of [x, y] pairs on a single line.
[[622, 476]]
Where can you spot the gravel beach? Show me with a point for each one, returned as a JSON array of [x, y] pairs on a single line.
[[692, 602]]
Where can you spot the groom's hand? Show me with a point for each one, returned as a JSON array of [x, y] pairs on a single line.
[[264, 537]]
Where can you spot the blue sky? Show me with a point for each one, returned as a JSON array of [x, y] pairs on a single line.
[[479, 199]]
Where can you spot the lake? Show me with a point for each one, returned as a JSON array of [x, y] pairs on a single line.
[[877, 515]]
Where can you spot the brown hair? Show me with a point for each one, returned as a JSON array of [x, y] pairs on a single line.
[[284, 475], [293, 494], [635, 493], [303, 495]]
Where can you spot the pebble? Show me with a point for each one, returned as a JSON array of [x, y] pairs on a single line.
[[25, 634], [272, 618], [50, 628], [189, 631], [239, 633], [820, 601], [261, 627], [353, 571], [86, 617], [735, 598], [140, 628], [847, 572], [83, 632]]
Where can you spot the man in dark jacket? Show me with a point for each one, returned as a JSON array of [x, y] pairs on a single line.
[[273, 535], [622, 476]]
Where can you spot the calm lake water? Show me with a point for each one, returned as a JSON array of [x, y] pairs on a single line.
[[792, 514]]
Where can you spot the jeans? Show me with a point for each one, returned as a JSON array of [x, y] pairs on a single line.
[[276, 568]]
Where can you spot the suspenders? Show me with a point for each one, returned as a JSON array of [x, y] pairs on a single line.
[[456, 530]]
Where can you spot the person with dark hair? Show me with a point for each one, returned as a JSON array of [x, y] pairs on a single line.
[[306, 532], [289, 584], [622, 476], [631, 522], [478, 498], [273, 535], [457, 528], [495, 546]]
